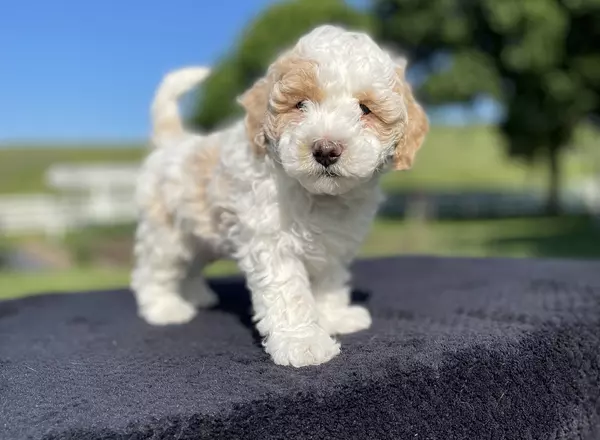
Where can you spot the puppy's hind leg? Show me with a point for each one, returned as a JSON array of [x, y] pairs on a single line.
[[194, 287], [162, 255]]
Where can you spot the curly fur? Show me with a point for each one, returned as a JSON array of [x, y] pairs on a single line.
[[253, 192]]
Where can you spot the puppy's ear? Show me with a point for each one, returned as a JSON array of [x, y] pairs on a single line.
[[417, 124], [255, 101]]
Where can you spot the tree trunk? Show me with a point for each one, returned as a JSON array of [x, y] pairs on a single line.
[[553, 202]]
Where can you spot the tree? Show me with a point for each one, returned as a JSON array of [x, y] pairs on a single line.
[[538, 57], [274, 30]]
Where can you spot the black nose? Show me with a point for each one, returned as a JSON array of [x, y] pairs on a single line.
[[327, 152]]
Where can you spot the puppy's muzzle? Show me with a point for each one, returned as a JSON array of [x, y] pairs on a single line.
[[327, 152]]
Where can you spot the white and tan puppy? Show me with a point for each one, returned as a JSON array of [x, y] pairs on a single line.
[[289, 192]]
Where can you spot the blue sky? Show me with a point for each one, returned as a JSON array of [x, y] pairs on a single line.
[[86, 70], [77, 69]]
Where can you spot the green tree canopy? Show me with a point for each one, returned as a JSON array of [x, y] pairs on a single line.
[[274, 30], [539, 58]]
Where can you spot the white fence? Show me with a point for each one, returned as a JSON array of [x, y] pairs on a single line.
[[54, 215], [103, 194], [86, 195], [590, 193], [31, 214]]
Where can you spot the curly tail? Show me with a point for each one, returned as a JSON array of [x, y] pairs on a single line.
[[166, 119]]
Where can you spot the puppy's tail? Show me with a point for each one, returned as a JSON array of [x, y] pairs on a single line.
[[166, 120]]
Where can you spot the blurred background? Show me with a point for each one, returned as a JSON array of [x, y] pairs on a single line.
[[511, 167]]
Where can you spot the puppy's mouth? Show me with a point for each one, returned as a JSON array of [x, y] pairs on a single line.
[[328, 172]]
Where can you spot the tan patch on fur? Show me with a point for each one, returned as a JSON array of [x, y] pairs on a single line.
[[393, 125], [385, 110], [386, 118], [416, 127], [201, 167], [255, 101], [167, 127], [158, 212], [294, 80], [270, 103], [212, 185]]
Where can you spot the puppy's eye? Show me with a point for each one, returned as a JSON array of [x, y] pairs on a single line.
[[366, 110], [300, 105]]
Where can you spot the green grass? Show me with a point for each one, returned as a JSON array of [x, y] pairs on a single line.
[[20, 284], [539, 237], [473, 158], [452, 157], [16, 284], [516, 238]]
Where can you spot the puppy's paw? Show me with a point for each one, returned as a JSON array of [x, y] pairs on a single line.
[[203, 297], [165, 311], [344, 320], [308, 346]]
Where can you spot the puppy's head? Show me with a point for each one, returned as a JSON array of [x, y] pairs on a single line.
[[334, 111]]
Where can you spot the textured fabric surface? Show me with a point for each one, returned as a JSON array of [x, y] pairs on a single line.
[[459, 349]]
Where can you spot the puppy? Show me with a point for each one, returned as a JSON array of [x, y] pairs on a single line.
[[289, 192]]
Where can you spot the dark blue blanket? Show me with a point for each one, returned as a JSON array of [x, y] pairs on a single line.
[[459, 349]]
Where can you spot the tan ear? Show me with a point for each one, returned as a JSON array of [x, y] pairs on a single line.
[[416, 128], [255, 101]]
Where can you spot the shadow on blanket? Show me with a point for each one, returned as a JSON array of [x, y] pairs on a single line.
[[234, 298]]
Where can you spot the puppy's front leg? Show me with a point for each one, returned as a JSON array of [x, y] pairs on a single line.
[[284, 308], [332, 296]]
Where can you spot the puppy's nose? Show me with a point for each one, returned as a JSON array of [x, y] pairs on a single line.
[[327, 152]]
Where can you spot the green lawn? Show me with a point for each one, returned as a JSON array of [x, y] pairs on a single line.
[[543, 237], [15, 284], [19, 284], [528, 237], [473, 158], [452, 157]]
